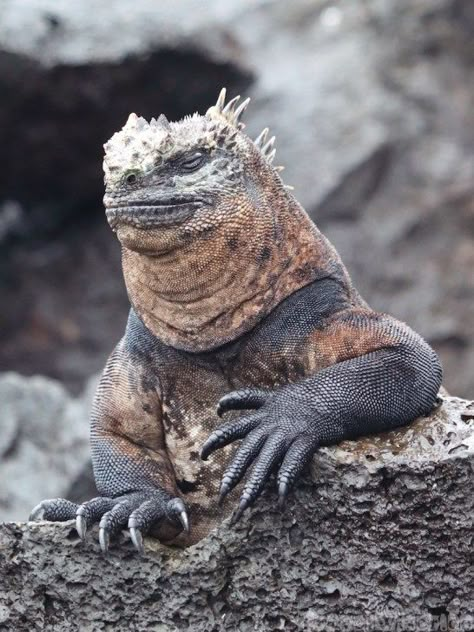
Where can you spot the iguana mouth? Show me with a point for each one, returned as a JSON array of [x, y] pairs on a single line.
[[153, 214]]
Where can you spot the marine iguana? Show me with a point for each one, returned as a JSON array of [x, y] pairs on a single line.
[[238, 303]]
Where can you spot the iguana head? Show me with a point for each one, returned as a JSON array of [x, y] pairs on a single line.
[[211, 239], [169, 183]]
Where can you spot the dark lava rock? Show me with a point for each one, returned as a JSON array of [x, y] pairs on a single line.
[[378, 537]]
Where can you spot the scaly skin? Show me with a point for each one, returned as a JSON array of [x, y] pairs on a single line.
[[239, 303]]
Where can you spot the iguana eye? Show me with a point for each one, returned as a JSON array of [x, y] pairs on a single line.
[[193, 162], [131, 177]]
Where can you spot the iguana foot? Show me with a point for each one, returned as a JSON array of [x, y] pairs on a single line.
[[142, 512], [277, 435]]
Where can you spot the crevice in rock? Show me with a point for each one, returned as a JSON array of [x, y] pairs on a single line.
[[12, 448], [347, 201]]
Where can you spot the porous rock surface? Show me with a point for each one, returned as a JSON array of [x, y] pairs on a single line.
[[379, 535]]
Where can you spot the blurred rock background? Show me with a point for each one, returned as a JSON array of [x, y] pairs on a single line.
[[372, 103]]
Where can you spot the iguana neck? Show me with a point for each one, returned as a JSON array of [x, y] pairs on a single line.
[[211, 292]]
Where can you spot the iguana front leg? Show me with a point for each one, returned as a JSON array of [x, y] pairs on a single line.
[[383, 376], [132, 469]]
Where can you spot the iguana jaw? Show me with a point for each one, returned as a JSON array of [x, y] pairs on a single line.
[[152, 215], [153, 224]]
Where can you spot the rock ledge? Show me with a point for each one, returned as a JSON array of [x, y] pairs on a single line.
[[379, 536]]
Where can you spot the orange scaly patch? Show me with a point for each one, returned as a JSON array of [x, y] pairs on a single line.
[[352, 333]]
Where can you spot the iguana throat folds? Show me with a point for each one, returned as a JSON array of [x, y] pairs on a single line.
[[197, 289]]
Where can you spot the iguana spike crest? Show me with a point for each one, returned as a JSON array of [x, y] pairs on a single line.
[[266, 146], [231, 105], [229, 112], [261, 138], [163, 123], [221, 100]]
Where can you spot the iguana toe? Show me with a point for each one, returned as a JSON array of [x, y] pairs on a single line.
[[229, 432], [243, 458], [176, 509], [90, 512], [243, 399], [54, 509], [296, 460], [270, 455], [152, 512], [112, 522]]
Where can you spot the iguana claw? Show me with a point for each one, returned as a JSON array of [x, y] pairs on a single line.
[[81, 526], [104, 539], [137, 539]]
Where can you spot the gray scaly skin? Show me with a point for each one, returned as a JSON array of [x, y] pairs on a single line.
[[240, 308]]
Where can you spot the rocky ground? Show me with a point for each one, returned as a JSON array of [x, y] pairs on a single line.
[[378, 537]]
